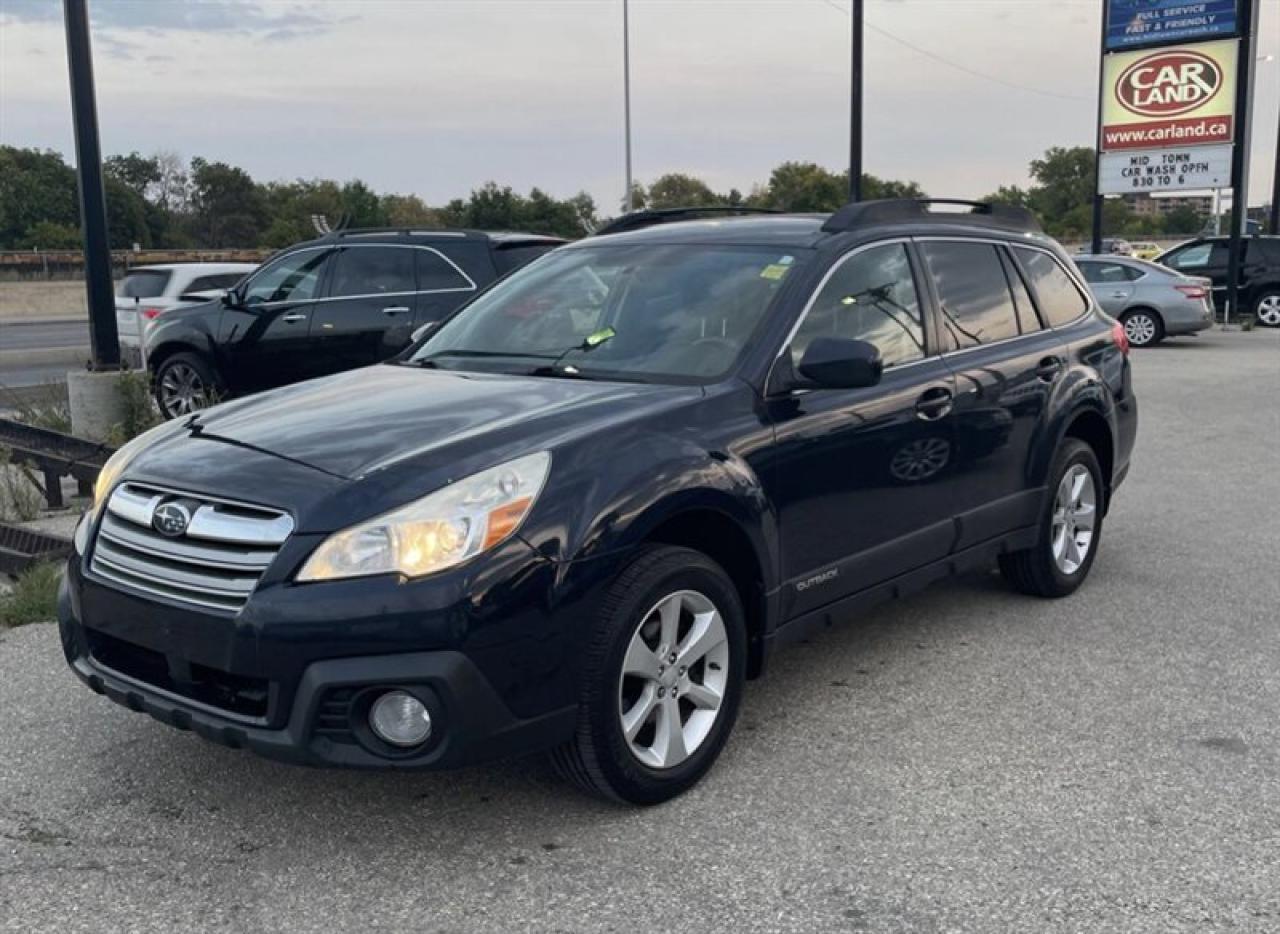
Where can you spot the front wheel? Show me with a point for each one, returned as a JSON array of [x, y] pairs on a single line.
[[1070, 528], [185, 383], [1267, 309], [662, 679]]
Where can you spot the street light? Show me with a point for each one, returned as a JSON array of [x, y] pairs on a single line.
[[626, 96]]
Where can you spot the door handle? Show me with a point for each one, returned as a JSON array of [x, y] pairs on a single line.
[[1049, 368], [396, 310], [293, 318], [934, 404], [1119, 294]]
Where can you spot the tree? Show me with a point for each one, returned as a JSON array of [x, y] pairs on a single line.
[[1183, 220], [361, 207], [1064, 184], [805, 186], [228, 208], [35, 187], [677, 190], [138, 173], [409, 211]]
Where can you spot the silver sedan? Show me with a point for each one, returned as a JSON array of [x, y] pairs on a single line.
[[1152, 302]]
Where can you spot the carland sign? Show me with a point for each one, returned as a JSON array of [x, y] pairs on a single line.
[[1134, 23], [1171, 97], [1149, 171]]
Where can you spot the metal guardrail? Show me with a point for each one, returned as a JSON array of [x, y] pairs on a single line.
[[22, 548], [55, 455]]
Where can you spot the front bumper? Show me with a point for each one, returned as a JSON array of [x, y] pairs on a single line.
[[300, 693]]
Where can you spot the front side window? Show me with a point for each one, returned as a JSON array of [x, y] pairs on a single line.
[[651, 312], [1199, 256], [372, 270], [973, 293], [1060, 300], [871, 296], [291, 278]]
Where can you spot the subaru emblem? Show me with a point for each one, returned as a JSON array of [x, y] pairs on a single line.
[[171, 519]]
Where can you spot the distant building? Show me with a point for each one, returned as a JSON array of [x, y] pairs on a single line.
[[1156, 206]]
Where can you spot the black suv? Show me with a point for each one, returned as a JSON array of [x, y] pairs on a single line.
[[1259, 272], [351, 299], [587, 507]]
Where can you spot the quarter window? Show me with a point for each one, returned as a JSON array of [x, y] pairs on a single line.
[[291, 278], [973, 293], [372, 270], [1060, 300], [437, 274], [871, 297]]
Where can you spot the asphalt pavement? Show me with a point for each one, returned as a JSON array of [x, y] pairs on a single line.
[[964, 760], [40, 335]]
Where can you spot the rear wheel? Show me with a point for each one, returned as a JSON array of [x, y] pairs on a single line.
[[1267, 309], [663, 679], [1070, 528], [185, 383], [1142, 327]]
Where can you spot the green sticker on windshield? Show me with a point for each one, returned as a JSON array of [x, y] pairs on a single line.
[[774, 271], [599, 337]]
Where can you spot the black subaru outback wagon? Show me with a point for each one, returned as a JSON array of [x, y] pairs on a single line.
[[586, 509], [347, 300]]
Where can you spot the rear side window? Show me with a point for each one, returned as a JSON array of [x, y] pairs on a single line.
[[1263, 250], [222, 280], [372, 270], [973, 293], [508, 258], [437, 274], [1060, 300], [1108, 272], [145, 283]]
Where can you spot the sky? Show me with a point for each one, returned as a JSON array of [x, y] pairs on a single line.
[[436, 97]]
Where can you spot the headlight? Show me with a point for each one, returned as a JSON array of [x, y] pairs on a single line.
[[118, 461], [438, 531]]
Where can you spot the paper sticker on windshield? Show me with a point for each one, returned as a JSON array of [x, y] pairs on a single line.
[[599, 337], [774, 271]]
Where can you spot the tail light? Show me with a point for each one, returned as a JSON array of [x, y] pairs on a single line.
[[1121, 338], [1193, 292], [150, 313]]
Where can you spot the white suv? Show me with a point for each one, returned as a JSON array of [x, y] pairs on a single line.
[[147, 292]]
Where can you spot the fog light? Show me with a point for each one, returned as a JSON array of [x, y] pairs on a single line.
[[400, 719]]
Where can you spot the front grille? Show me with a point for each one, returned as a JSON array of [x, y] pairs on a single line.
[[237, 694], [215, 563]]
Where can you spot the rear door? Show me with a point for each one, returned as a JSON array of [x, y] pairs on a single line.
[[1006, 362], [367, 313], [1206, 258], [861, 477], [1112, 284]]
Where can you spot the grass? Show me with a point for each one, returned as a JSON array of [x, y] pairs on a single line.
[[34, 598], [139, 408], [47, 408]]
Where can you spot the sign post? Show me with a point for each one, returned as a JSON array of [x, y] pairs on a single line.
[[1240, 159]]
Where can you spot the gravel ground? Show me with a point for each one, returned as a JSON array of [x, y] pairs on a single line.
[[966, 760]]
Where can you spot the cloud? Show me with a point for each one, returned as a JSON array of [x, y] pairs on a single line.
[[287, 20]]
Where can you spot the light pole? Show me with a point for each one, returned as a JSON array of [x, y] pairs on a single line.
[[855, 103], [626, 96]]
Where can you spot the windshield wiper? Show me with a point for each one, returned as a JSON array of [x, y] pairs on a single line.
[[590, 342]]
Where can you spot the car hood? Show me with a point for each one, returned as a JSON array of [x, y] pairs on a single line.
[[357, 422]]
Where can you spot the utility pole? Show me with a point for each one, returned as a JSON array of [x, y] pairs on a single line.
[[1095, 244], [626, 96], [1275, 187], [855, 103], [103, 339]]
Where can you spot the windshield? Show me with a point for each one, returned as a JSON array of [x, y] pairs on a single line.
[[677, 312], [144, 283]]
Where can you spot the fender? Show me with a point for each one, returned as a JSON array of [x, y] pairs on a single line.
[[1079, 391]]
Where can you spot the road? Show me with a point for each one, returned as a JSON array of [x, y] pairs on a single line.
[[967, 760], [36, 353], [43, 335]]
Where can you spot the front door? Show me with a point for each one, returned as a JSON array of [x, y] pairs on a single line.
[[1006, 363], [860, 477], [266, 338]]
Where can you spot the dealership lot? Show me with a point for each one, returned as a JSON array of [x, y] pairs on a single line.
[[966, 760]]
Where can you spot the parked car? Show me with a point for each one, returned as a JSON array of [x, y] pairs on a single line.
[[593, 502], [1145, 249], [147, 292], [1117, 246], [1259, 272], [1152, 302], [347, 300]]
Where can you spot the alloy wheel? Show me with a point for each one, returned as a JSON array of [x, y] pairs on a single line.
[[1140, 328], [1269, 311], [674, 678], [1075, 512], [182, 391]]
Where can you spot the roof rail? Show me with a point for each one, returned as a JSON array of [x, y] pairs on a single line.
[[644, 218], [889, 210]]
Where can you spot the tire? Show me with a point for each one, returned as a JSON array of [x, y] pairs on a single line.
[[1143, 327], [1048, 571], [185, 383], [1267, 309], [600, 758]]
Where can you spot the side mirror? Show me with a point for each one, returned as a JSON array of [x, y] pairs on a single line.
[[835, 363], [231, 299]]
